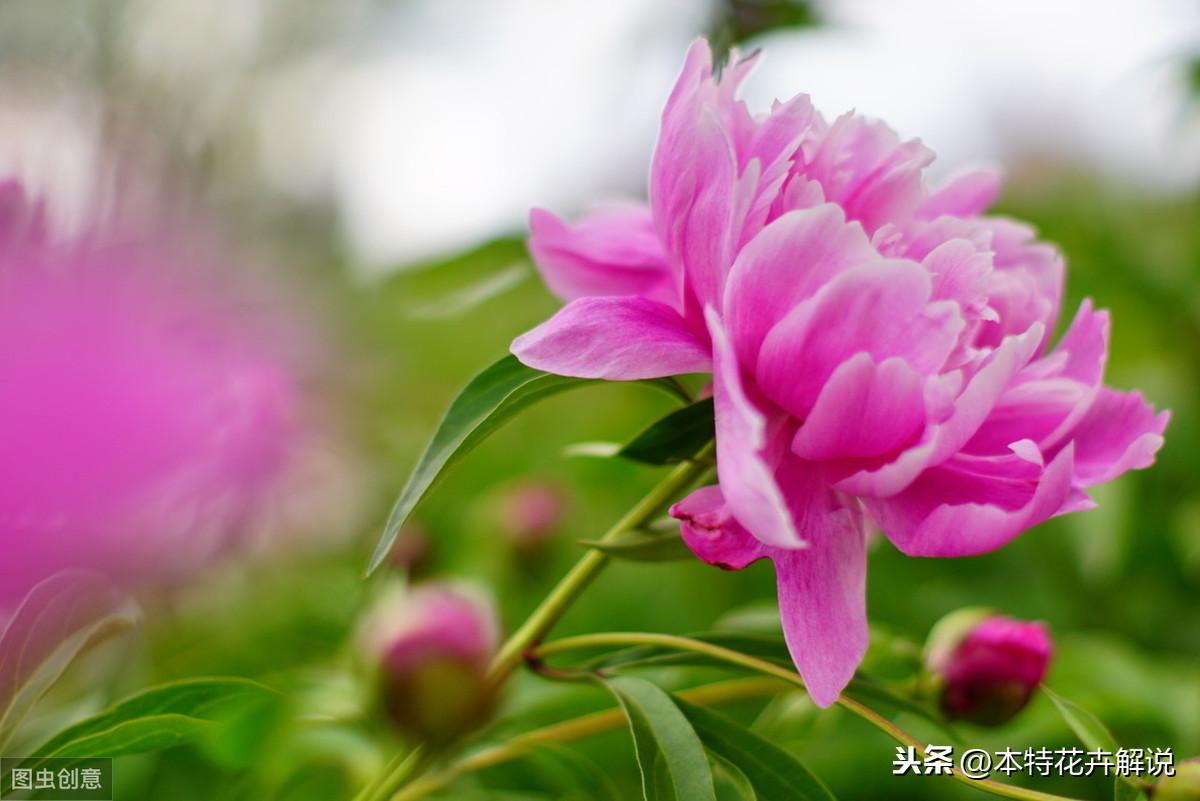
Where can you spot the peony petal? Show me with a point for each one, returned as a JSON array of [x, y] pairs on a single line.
[[970, 506], [708, 527], [1052, 394], [1120, 432], [822, 596], [746, 454], [865, 409], [613, 251], [966, 195], [694, 182], [785, 263], [878, 308], [822, 589], [616, 338], [1026, 285], [864, 167], [944, 439]]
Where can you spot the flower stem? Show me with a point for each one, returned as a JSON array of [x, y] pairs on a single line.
[[538, 624], [575, 729], [674, 642]]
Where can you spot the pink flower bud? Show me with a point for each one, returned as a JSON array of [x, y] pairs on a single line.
[[430, 648], [531, 512], [988, 665]]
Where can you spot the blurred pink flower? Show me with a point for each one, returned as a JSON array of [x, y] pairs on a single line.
[[989, 672], [142, 412], [879, 350], [431, 647], [531, 511]]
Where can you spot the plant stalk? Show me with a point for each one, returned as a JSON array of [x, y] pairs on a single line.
[[548, 613]]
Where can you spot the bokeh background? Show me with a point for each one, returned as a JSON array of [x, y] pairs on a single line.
[[372, 164]]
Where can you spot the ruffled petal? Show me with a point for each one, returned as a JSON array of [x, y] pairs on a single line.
[[747, 453], [865, 409], [1051, 395], [616, 338], [878, 308], [865, 168], [1120, 432], [970, 506], [694, 182], [785, 263], [945, 438], [966, 195], [613, 251], [708, 527]]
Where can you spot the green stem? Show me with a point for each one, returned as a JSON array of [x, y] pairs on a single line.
[[395, 774], [538, 624], [571, 730], [588, 641]]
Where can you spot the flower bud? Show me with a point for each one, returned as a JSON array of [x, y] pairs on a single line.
[[430, 648], [1183, 786], [530, 513], [987, 666]]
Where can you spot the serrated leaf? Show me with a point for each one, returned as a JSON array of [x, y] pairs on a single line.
[[774, 774], [662, 734], [644, 546], [674, 437], [490, 399], [1092, 732], [58, 620]]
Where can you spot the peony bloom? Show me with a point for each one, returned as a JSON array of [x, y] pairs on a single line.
[[143, 414], [879, 350], [430, 648], [989, 668]]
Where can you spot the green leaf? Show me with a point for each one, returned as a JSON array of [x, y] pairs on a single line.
[[489, 400], [58, 620], [157, 718], [662, 734], [774, 774], [1094, 735], [645, 545], [675, 437]]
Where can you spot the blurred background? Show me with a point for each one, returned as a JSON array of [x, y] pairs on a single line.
[[368, 167]]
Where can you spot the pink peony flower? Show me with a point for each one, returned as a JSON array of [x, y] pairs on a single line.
[[989, 672], [142, 413], [879, 350]]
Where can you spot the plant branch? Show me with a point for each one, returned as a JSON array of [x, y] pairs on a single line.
[[588, 641], [542, 620]]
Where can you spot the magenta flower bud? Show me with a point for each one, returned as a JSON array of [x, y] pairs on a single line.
[[430, 648], [1183, 786], [987, 665], [530, 512]]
